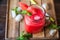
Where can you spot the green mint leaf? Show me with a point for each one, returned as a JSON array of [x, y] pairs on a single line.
[[18, 12], [21, 34], [24, 12], [15, 9], [24, 36], [29, 14], [52, 26], [28, 35]]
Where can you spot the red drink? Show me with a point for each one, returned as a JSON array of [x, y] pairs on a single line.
[[36, 21]]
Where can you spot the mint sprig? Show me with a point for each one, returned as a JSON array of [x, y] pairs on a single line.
[[16, 11], [53, 26], [24, 12], [24, 36]]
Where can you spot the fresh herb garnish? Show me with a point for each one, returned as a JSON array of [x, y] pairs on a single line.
[[29, 14], [16, 11], [53, 26], [24, 12], [24, 36]]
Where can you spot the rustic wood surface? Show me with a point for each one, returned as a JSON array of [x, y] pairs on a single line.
[[33, 39], [52, 14], [12, 24], [7, 20]]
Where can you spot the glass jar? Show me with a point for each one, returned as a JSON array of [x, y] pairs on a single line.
[[35, 22]]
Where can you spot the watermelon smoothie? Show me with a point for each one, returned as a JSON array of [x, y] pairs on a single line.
[[36, 21]]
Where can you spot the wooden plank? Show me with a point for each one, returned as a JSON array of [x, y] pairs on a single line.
[[12, 22], [22, 27], [6, 27], [39, 2], [52, 14], [39, 34]]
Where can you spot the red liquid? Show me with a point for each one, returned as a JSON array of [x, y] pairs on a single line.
[[33, 25], [36, 21]]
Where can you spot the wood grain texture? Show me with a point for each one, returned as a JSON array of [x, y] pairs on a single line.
[[52, 14], [39, 2], [39, 34], [12, 22], [13, 32], [7, 16]]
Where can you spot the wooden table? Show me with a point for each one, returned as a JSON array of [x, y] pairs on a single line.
[[12, 28]]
